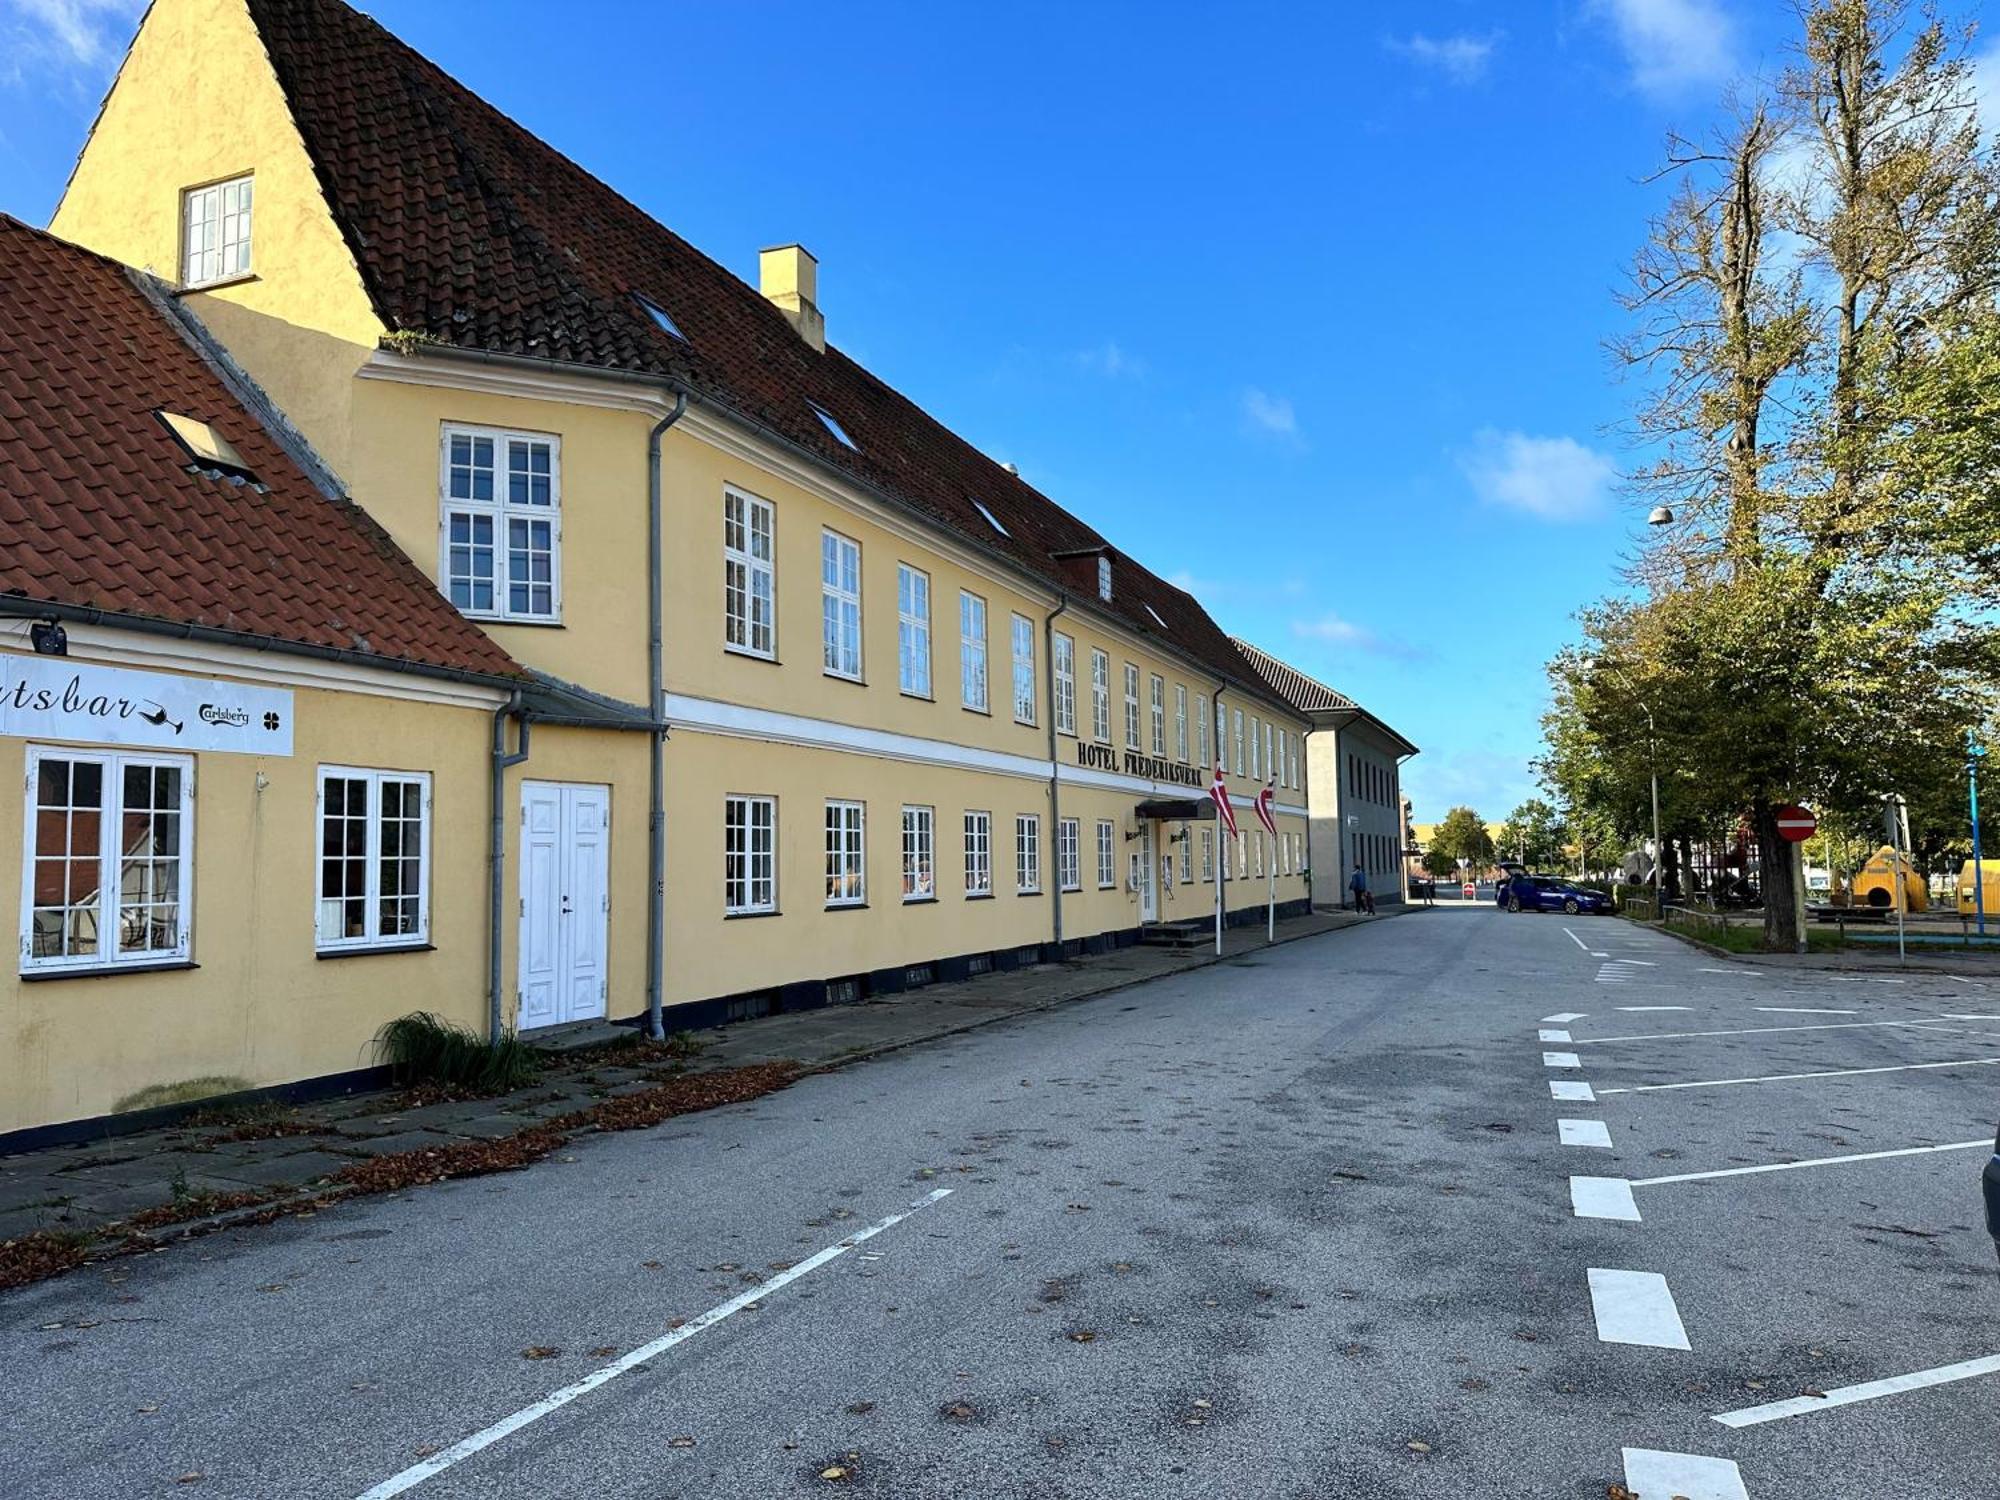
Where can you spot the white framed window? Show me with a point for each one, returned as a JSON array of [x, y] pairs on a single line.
[[374, 858], [846, 854], [1131, 706], [215, 232], [1069, 858], [1270, 766], [919, 854], [1107, 854], [1257, 847], [1282, 734], [1242, 854], [1028, 853], [1207, 853], [749, 574], [1201, 730], [971, 651], [500, 522], [1065, 670], [108, 871], [840, 605], [1180, 722], [1256, 770], [1295, 767], [979, 854], [1104, 578], [1100, 697], [1187, 856], [1159, 709], [1024, 670], [1221, 731], [749, 855], [913, 630], [1237, 724]]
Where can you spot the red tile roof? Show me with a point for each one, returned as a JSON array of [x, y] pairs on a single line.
[[471, 231], [1314, 698], [102, 508]]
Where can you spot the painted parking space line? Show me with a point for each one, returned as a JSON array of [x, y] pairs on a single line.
[[1635, 1307], [1807, 1010], [465, 1448], [1735, 973], [1571, 1091], [1847, 1395], [1552, 1034], [1818, 1161], [1716, 1083], [1602, 1198], [1654, 1475], [1564, 1017], [1577, 940], [1644, 963], [1561, 1060], [1635, 1009], [1972, 1018], [1676, 1036], [1584, 1133]]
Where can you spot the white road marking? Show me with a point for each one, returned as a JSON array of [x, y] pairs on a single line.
[[1972, 1018], [458, 1452], [1602, 1198], [1716, 1083], [1880, 980], [1561, 1060], [1570, 1091], [1578, 941], [1552, 1034], [1847, 1395], [1653, 1475], [1563, 1018], [1635, 1307], [1817, 1161], [1807, 1010], [1634, 1009], [1674, 1036], [1583, 1133], [1644, 963], [1737, 973]]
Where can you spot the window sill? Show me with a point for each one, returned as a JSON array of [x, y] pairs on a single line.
[[843, 677], [239, 279], [920, 901], [490, 617], [106, 971], [920, 697], [1027, 893], [746, 654], [745, 916], [979, 895], [374, 950], [971, 708], [1072, 890], [847, 906]]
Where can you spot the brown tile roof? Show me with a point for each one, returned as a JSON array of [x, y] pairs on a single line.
[[470, 230], [102, 508], [1310, 696]]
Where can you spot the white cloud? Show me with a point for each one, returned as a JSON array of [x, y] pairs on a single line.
[[1673, 46], [1271, 416], [1110, 361], [75, 33], [1332, 630], [1554, 478], [1462, 57]]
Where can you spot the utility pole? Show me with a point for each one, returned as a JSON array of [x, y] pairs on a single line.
[[1653, 771], [1973, 750]]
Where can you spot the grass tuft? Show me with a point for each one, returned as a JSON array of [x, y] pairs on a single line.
[[426, 1048]]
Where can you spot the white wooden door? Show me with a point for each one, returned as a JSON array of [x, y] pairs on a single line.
[[1149, 896], [565, 902]]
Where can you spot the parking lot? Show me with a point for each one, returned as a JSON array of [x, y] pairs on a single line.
[[1773, 1176]]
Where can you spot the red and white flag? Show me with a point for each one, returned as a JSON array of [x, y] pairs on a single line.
[[1265, 799], [1220, 792]]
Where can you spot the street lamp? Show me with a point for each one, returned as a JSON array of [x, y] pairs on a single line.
[[1973, 750], [1660, 515]]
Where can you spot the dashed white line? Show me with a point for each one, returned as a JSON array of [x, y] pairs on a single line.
[[1653, 1475], [1674, 1036], [1734, 973], [1716, 1083], [1636, 1009], [1602, 1198], [1847, 1395], [458, 1452], [1561, 1060], [1563, 1018], [1972, 1018], [1584, 1133], [1817, 1161], [1806, 1010], [1635, 1307], [1552, 1034], [1569, 1091]]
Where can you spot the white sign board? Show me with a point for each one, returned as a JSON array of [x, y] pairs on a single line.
[[53, 697]]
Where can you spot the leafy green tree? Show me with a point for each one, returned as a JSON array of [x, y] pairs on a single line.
[[1462, 835], [1533, 834]]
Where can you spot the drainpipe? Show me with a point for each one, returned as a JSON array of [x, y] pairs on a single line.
[[1055, 794], [656, 828], [496, 854], [1221, 849]]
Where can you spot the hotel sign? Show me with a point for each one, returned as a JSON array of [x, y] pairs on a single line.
[[53, 697], [1150, 767]]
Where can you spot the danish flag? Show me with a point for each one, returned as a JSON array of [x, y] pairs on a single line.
[[1265, 799], [1220, 792]]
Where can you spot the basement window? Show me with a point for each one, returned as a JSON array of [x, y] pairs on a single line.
[[991, 519], [659, 315], [211, 452], [832, 426]]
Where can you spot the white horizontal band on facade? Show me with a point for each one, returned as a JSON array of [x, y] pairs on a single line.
[[712, 716]]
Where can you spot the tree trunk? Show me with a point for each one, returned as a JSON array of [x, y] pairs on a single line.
[[1777, 881]]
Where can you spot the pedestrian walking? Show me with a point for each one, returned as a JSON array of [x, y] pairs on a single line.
[[1358, 883]]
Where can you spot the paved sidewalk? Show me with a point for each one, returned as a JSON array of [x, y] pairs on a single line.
[[195, 1174], [1926, 955]]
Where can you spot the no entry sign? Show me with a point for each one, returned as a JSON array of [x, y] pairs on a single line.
[[1797, 824]]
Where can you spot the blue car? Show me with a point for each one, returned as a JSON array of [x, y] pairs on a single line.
[[1992, 1182], [1550, 893]]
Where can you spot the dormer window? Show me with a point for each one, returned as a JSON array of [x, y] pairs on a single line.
[[659, 315], [1104, 578], [991, 519], [215, 232], [832, 426]]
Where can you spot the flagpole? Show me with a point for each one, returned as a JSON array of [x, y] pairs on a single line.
[[1271, 896], [1221, 853]]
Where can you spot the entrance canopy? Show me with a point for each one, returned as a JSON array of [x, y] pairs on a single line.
[[1177, 809]]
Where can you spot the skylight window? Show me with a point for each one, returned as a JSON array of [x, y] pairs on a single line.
[[991, 519], [208, 448], [659, 315], [834, 427], [1156, 617]]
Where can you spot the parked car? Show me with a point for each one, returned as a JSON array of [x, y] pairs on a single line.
[[1550, 893], [1993, 1194]]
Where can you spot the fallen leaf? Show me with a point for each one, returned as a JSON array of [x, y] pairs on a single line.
[[860, 1408], [604, 1351], [683, 1441], [194, 1478], [1083, 1336], [540, 1351], [834, 1472], [1418, 1445]]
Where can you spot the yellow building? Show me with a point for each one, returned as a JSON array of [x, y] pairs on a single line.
[[820, 702]]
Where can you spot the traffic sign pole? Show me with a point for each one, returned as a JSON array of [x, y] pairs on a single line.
[[1797, 824]]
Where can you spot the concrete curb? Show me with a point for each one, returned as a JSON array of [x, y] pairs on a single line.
[[1828, 961]]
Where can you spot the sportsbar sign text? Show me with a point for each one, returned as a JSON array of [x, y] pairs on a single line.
[[52, 697]]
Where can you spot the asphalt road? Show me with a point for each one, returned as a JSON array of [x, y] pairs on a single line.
[[1297, 1226]]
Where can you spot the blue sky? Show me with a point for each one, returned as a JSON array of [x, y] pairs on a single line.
[[1304, 307]]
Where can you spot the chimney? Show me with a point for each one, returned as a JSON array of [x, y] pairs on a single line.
[[789, 276]]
